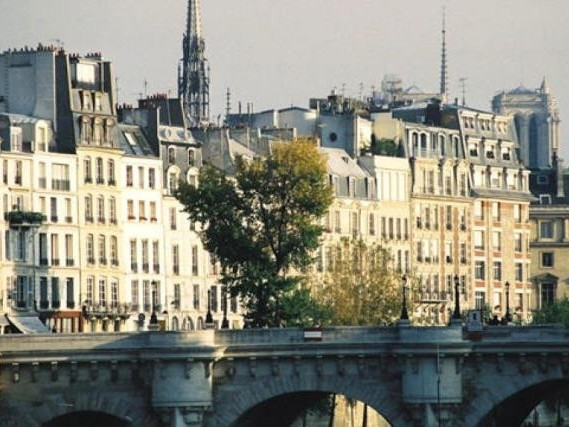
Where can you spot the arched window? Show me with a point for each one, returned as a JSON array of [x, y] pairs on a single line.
[[191, 157], [87, 170], [200, 323], [99, 171], [171, 155], [193, 179], [175, 324], [111, 172], [423, 141], [112, 210], [88, 208], [173, 179]]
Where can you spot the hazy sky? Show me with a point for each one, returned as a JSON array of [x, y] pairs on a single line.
[[280, 52]]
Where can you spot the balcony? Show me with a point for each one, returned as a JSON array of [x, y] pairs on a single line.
[[176, 269], [449, 259], [147, 308], [101, 220], [18, 180], [69, 262], [88, 218], [103, 261], [22, 219], [91, 260], [134, 307], [55, 304], [156, 268], [463, 260], [60, 185], [42, 183], [115, 262], [88, 180], [43, 261], [113, 221], [70, 304], [55, 261], [145, 267], [111, 182], [133, 267], [68, 219], [100, 180], [44, 304], [53, 218]]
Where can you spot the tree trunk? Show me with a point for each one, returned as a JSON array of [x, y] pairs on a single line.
[[332, 412], [364, 422]]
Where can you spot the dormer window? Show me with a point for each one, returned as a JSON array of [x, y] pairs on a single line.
[[542, 179], [544, 199]]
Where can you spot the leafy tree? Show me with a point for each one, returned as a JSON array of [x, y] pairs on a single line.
[[261, 223], [557, 312], [362, 287]]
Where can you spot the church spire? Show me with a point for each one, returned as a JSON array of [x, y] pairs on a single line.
[[193, 77], [444, 76]]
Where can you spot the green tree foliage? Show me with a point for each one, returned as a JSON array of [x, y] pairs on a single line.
[[558, 312], [261, 223], [362, 287]]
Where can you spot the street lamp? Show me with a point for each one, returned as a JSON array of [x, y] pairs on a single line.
[[153, 317], [456, 313], [404, 314], [208, 316], [508, 315]]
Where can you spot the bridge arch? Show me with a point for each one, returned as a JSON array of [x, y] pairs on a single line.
[[233, 403], [515, 398], [121, 410]]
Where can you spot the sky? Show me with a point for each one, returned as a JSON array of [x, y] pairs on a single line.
[[278, 53]]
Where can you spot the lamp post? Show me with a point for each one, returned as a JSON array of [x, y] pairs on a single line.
[[208, 316], [225, 321], [404, 313], [456, 313], [508, 315], [153, 317]]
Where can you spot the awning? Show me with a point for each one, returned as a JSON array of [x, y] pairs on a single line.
[[28, 324]]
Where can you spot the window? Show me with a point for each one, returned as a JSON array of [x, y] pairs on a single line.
[[101, 210], [546, 229], [449, 217], [69, 261], [518, 242], [54, 249], [478, 239], [496, 240], [156, 256], [111, 172], [129, 176], [545, 199], [547, 259], [103, 292], [173, 181], [70, 292], [133, 256], [114, 294], [171, 155], [60, 177], [195, 260], [153, 211], [145, 257], [146, 295], [191, 157], [18, 176], [176, 259], [114, 251], [496, 211], [151, 178], [196, 297], [90, 244], [134, 295], [68, 211], [88, 209], [140, 177], [478, 210], [547, 293], [99, 164], [214, 299], [479, 268], [497, 267], [479, 298], [519, 272], [173, 225], [42, 179], [53, 209], [44, 302], [518, 213], [102, 250], [177, 296], [89, 290], [113, 210], [142, 210]]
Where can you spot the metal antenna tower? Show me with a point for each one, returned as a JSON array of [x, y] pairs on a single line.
[[193, 75], [444, 72]]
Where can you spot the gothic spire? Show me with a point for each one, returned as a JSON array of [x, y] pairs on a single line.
[[444, 76], [193, 77]]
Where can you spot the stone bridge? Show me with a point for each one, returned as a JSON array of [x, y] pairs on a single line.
[[256, 377]]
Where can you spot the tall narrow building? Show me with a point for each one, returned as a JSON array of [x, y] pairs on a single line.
[[193, 72]]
